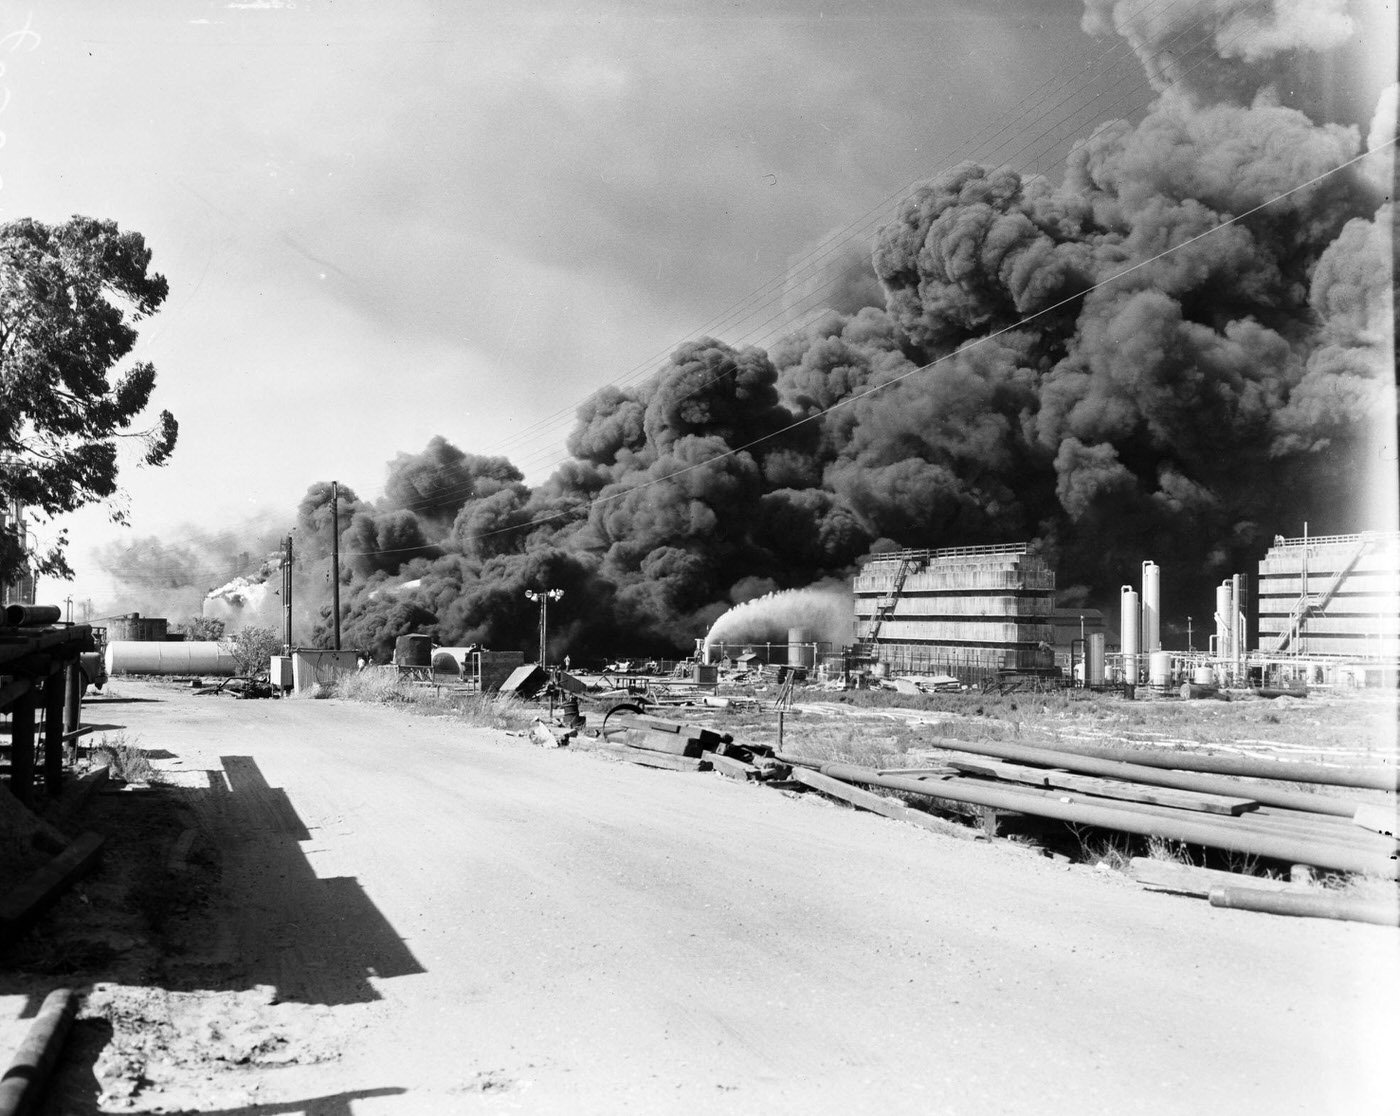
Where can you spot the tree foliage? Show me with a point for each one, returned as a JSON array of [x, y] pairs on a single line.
[[205, 628], [70, 297], [253, 647]]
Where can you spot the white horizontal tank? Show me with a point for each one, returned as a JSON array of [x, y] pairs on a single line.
[[183, 657]]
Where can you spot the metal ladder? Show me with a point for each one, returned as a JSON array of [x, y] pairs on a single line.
[[1310, 604], [884, 606]]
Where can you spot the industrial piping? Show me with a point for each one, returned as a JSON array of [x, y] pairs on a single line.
[[1218, 835], [1362, 778], [1263, 794]]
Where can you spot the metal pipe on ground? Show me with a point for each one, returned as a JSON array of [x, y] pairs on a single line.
[[31, 616], [1263, 793], [28, 1072], [1316, 829], [1218, 834], [1304, 905], [1360, 778]]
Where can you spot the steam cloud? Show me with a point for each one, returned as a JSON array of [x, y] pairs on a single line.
[[1091, 393]]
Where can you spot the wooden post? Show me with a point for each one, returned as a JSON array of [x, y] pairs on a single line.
[[53, 731], [22, 746], [73, 708]]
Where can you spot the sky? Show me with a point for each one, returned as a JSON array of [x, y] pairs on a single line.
[[382, 223]]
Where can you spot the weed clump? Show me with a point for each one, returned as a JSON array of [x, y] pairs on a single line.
[[122, 759]]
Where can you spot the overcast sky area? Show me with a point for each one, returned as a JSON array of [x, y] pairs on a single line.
[[386, 222]]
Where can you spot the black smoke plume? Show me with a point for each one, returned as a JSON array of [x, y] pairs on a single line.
[[1166, 355]]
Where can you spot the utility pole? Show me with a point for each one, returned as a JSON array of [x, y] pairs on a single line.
[[335, 559], [287, 598], [544, 596]]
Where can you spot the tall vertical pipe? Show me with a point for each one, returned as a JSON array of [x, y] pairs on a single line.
[[1224, 610], [335, 561], [1151, 606], [1237, 640], [1130, 617]]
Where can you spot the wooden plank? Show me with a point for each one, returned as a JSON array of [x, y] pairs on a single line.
[[673, 743], [878, 804], [1157, 796], [654, 759], [734, 768], [24, 903], [996, 769], [1378, 819], [1187, 879], [657, 724], [1108, 788]]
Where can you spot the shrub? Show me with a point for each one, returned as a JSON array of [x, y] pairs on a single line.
[[253, 647]]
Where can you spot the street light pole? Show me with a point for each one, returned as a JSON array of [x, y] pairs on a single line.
[[544, 596]]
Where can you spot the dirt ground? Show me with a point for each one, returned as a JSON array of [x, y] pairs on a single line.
[[332, 908]]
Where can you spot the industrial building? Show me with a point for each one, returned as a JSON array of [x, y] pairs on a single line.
[[968, 611], [1331, 596]]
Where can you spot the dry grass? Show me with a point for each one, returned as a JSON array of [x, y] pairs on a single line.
[[384, 685], [123, 759]]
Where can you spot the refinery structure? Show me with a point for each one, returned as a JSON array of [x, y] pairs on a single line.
[[1322, 610], [964, 611]]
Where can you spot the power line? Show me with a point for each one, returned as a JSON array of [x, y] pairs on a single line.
[[967, 347]]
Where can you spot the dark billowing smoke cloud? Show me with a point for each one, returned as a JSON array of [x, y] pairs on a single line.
[[1093, 365]]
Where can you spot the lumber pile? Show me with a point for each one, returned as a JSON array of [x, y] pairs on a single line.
[[656, 742]]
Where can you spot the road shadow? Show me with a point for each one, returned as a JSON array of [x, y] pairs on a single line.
[[208, 888], [337, 1104], [278, 924]]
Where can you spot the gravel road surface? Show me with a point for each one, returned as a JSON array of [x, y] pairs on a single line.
[[425, 917]]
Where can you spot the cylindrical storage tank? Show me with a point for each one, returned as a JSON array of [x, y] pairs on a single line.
[[1151, 607], [1130, 634], [448, 660], [801, 653], [1094, 673], [879, 670], [1203, 676], [413, 651], [143, 656], [124, 628], [1224, 610], [1159, 668]]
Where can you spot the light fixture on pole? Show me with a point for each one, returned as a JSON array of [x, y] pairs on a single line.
[[544, 596]]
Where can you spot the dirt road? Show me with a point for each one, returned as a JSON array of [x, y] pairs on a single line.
[[405, 915]]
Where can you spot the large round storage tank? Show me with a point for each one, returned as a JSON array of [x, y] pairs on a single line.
[[1094, 673], [801, 652], [1159, 668], [136, 627], [413, 651], [1151, 636], [184, 657], [451, 660], [1203, 676]]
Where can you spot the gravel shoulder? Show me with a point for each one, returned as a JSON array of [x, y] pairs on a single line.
[[351, 908]]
